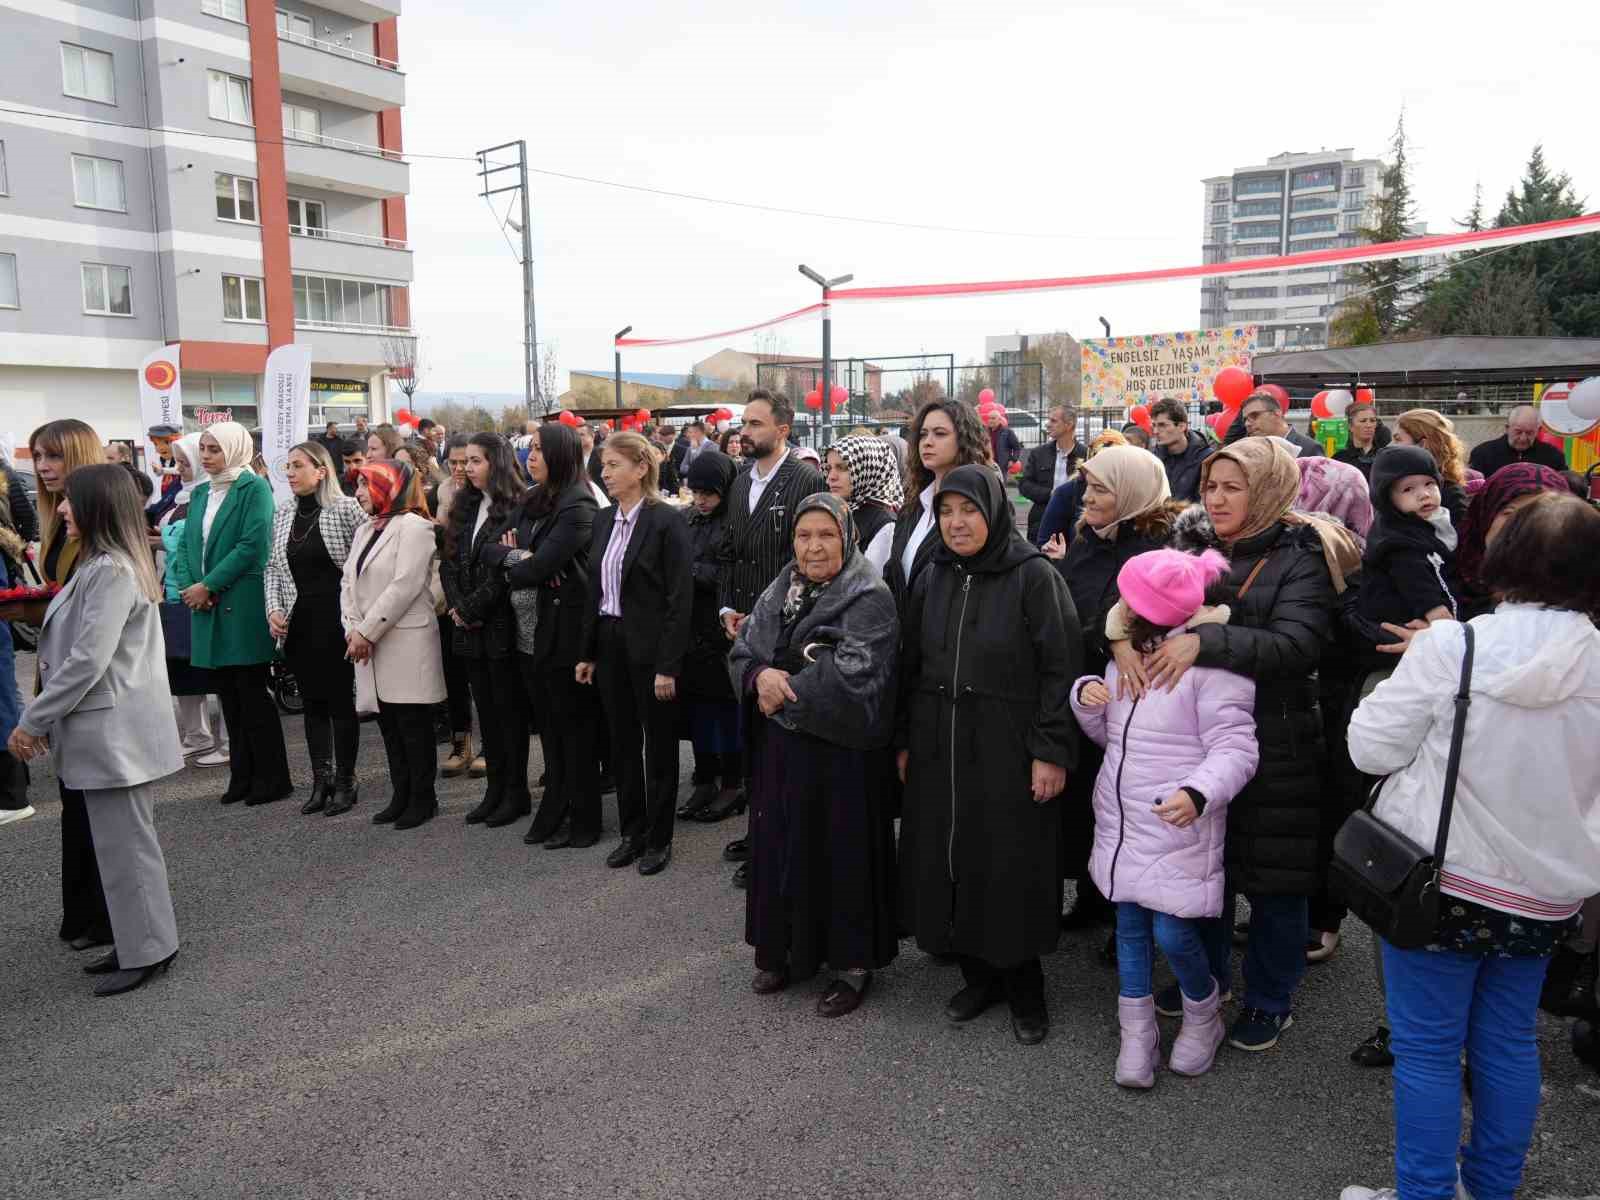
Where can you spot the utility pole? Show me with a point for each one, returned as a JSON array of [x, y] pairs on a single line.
[[530, 336], [616, 349], [827, 340]]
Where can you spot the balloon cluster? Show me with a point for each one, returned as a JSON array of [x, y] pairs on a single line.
[[1336, 402], [632, 422], [837, 399], [406, 421], [570, 419], [988, 404], [721, 415]]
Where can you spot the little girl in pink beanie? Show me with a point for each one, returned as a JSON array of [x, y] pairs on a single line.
[[1174, 759]]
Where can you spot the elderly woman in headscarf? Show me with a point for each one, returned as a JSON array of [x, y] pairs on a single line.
[[984, 742], [1125, 510], [1286, 569], [1061, 513], [222, 578], [863, 473], [815, 660]]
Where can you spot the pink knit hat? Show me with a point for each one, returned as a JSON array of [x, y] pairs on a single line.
[[1167, 587]]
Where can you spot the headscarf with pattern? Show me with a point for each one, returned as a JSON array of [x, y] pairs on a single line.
[[874, 474], [802, 594], [1504, 486], [388, 482]]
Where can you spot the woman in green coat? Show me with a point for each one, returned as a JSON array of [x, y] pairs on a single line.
[[225, 542]]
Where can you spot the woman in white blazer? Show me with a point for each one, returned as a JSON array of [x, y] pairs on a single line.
[[391, 634], [104, 708]]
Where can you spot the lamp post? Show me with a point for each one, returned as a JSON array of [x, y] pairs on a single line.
[[1106, 325], [616, 349], [827, 333]]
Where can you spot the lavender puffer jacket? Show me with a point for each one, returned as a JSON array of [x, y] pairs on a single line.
[[1202, 734]]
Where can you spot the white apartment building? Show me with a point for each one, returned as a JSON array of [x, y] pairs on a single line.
[[222, 174]]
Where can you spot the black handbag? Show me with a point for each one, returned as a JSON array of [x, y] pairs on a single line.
[[1384, 877], [24, 635]]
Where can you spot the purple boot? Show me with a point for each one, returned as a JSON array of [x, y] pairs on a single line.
[[1140, 1053], [1201, 1034]]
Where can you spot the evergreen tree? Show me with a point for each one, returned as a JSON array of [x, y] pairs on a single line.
[[1384, 289]]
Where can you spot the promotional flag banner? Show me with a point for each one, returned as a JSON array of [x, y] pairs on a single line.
[[285, 410]]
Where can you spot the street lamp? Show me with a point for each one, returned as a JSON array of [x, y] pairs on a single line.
[[616, 349], [1106, 325], [827, 329]]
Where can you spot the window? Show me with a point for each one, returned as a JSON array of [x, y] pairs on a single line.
[[236, 199], [1354, 200], [1306, 289], [308, 218], [1352, 223], [320, 300], [1258, 208], [304, 124], [229, 96], [228, 10], [8, 281], [1257, 251], [1219, 233], [1355, 177], [1302, 225], [1253, 314], [87, 74], [1256, 229], [1254, 293], [5, 189], [97, 183], [107, 290], [1266, 339], [296, 27], [1313, 244], [241, 298], [1261, 185], [1315, 177], [1219, 212], [1219, 191], [1313, 203]]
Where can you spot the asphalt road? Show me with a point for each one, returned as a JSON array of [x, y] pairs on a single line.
[[357, 1012]]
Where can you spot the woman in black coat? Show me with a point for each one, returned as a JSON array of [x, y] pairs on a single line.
[[635, 635], [1368, 435], [1284, 570], [1126, 511], [545, 559], [991, 646], [713, 713], [477, 599]]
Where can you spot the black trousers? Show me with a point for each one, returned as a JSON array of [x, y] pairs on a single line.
[[1023, 983], [644, 741], [502, 727], [569, 716], [458, 689], [260, 765], [83, 900], [408, 743]]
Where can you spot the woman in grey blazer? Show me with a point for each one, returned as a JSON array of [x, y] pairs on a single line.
[[104, 707]]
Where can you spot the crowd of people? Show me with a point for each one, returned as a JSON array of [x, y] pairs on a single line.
[[1199, 660]]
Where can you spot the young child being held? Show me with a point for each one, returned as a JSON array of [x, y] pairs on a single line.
[[1174, 759], [1411, 547]]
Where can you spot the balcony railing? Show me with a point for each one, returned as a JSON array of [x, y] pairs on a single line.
[[301, 39], [347, 327], [339, 143], [339, 235]]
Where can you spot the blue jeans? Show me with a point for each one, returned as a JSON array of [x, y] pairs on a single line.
[[1274, 959], [1138, 928], [1438, 1003], [10, 698]]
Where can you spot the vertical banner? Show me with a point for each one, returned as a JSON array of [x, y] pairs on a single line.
[[285, 410], [160, 403]]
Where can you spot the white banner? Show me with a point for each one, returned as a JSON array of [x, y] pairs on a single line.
[[285, 410], [160, 403]]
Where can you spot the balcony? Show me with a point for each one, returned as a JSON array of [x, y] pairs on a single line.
[[334, 252], [339, 73], [355, 346], [340, 165], [369, 11]]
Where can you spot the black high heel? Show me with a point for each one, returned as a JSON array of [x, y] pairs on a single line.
[[119, 981], [103, 965], [730, 803]]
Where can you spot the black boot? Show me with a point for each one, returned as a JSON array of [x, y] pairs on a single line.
[[491, 801], [321, 788], [343, 797], [509, 810], [1569, 984]]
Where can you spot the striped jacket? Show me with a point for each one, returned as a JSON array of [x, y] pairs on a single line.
[[337, 524]]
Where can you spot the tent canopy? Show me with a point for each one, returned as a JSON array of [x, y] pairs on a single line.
[[1434, 361]]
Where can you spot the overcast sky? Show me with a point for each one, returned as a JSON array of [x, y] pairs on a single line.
[[1087, 127]]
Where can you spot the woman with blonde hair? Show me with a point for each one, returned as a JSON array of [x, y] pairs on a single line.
[[383, 443], [1436, 434]]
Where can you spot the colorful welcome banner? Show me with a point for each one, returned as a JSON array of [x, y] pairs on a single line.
[[1122, 371], [1443, 243]]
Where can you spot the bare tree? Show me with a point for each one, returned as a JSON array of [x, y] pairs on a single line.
[[548, 370], [403, 357]]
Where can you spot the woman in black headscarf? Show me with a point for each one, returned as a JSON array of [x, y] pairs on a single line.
[[985, 739], [815, 663]]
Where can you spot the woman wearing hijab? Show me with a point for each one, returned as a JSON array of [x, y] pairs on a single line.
[[1507, 490], [226, 540], [1286, 569], [991, 647], [311, 534], [815, 663], [387, 606], [1061, 514], [945, 434], [862, 472], [712, 710], [191, 686], [1126, 510]]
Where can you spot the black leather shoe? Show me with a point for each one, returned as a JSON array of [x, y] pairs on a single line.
[[1374, 1052], [559, 840], [702, 796], [417, 814], [843, 997], [737, 851], [973, 1000], [345, 795], [1030, 1028], [508, 812], [321, 791], [117, 982], [741, 877], [730, 802], [652, 862], [580, 841], [767, 982], [626, 853], [487, 805], [103, 966], [390, 812]]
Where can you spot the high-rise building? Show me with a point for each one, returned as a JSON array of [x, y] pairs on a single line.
[[224, 174], [1292, 203]]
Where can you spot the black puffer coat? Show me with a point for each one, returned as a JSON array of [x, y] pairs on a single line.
[[1277, 635]]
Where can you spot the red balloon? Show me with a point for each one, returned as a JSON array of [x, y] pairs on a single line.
[[1140, 416], [985, 397], [611, 424], [839, 396], [404, 416], [1279, 393], [1232, 385], [569, 418], [1364, 396], [1319, 406], [814, 400]]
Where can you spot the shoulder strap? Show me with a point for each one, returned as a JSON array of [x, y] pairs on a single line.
[[1254, 571], [1453, 765]]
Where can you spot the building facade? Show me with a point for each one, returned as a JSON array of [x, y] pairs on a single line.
[[1293, 203], [222, 174]]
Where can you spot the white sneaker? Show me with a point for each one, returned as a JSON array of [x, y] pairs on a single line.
[[8, 815], [212, 758], [1355, 1192], [1322, 945]]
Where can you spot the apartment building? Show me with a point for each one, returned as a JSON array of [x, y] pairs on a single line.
[[223, 174]]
